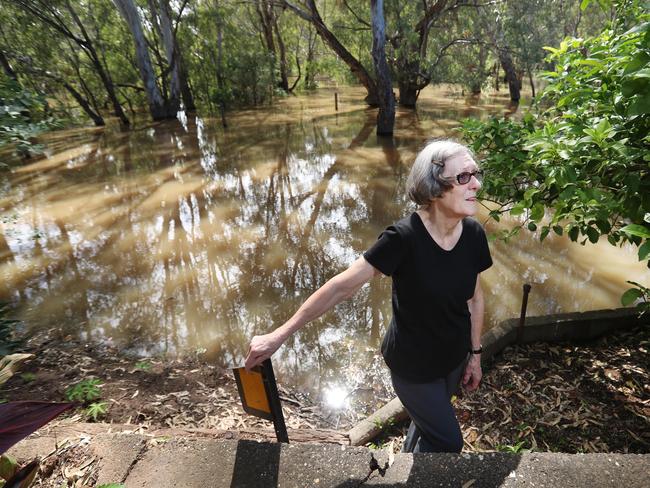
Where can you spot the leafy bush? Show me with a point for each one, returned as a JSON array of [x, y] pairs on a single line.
[[23, 115], [584, 157]]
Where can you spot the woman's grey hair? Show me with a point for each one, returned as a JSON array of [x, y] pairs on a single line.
[[425, 181]]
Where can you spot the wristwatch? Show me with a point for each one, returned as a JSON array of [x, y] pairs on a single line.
[[477, 351]]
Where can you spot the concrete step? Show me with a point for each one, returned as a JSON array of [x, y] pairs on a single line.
[[152, 460]]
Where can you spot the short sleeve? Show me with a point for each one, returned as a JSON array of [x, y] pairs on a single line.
[[387, 252], [484, 258]]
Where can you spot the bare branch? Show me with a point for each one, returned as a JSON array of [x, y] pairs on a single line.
[[356, 16]]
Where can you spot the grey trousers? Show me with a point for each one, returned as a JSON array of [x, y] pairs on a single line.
[[434, 427]]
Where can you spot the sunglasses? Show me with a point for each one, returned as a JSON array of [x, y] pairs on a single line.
[[464, 177]]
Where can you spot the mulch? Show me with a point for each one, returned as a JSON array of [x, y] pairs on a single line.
[[565, 397], [592, 397]]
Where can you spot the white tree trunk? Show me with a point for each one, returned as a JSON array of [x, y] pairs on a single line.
[[173, 58], [130, 14]]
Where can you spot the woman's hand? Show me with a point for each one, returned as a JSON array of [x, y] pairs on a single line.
[[261, 348], [473, 373]]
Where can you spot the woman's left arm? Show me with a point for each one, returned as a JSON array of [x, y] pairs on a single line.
[[473, 373]]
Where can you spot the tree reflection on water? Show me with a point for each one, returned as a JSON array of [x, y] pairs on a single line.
[[177, 237]]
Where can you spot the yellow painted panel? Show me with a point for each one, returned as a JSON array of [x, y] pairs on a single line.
[[254, 392]]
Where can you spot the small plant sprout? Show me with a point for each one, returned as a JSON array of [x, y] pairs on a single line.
[[84, 391], [96, 410]]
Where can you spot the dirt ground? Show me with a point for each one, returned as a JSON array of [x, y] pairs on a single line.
[[592, 397]]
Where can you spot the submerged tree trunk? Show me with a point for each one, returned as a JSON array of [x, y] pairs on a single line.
[[284, 75], [408, 85], [157, 107], [386, 115], [412, 51], [514, 85]]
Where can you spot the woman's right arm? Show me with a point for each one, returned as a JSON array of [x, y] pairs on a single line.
[[337, 289]]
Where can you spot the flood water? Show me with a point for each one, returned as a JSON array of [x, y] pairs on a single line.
[[182, 237]]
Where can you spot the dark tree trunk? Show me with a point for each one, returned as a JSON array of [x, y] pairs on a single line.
[[407, 81], [532, 83], [408, 94], [157, 107], [94, 115], [186, 92], [386, 115], [85, 105], [284, 76], [358, 70], [410, 79], [6, 67], [265, 13], [514, 85]]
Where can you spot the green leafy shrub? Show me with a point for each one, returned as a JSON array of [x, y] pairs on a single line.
[[23, 115], [84, 391], [583, 153]]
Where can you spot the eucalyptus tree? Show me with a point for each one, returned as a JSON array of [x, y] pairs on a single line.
[[158, 107], [386, 115], [409, 41], [161, 17], [65, 20], [308, 10]]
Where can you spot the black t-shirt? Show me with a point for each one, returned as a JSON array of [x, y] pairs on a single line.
[[429, 334]]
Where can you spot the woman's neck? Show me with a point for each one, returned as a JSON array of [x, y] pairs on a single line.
[[441, 225]]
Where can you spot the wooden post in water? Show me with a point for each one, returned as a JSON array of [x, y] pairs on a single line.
[[522, 315], [336, 101]]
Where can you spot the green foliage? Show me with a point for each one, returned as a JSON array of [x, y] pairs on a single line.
[[585, 157], [111, 485], [84, 391], [386, 424], [96, 410], [23, 115], [517, 448], [143, 365], [28, 377], [8, 467]]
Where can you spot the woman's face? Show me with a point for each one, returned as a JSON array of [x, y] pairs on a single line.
[[459, 201]]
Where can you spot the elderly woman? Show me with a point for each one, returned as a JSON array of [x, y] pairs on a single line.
[[434, 257]]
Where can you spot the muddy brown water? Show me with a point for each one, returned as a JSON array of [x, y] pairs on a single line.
[[182, 237]]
